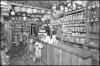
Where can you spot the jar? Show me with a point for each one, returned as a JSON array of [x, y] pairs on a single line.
[[82, 40], [90, 5], [23, 9], [66, 9], [94, 27], [77, 40], [77, 34], [93, 4], [97, 3]]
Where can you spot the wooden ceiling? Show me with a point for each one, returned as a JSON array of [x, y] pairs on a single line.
[[36, 3]]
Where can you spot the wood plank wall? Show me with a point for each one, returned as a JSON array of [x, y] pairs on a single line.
[[54, 56], [9, 34]]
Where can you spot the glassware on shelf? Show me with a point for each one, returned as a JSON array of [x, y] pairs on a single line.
[[77, 40], [82, 40]]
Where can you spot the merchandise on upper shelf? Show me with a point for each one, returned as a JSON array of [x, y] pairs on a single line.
[[5, 8], [74, 27], [73, 21], [93, 23]]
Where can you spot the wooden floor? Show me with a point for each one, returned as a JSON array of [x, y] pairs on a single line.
[[24, 60], [19, 56]]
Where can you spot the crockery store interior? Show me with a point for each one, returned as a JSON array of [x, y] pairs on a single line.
[[60, 32]]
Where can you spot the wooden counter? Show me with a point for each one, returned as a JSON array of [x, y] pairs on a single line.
[[77, 51], [63, 54]]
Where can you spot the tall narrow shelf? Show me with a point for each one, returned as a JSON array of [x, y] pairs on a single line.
[[93, 24]]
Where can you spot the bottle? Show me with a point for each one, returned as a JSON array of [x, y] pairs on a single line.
[[93, 4], [66, 9], [97, 4], [97, 14], [74, 6], [82, 40], [89, 5], [77, 40], [94, 27]]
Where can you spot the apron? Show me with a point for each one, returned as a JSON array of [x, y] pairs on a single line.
[[38, 50]]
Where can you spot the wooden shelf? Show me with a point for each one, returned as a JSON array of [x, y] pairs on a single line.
[[75, 26], [94, 32], [94, 38], [79, 31], [79, 36], [96, 47], [73, 43], [74, 20], [88, 45], [76, 11], [94, 21]]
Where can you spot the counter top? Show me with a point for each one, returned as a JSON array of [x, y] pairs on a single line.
[[73, 50]]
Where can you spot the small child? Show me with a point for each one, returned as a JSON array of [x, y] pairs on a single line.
[[32, 47], [38, 47]]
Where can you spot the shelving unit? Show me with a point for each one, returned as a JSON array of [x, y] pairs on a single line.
[[75, 24], [93, 24], [81, 26], [18, 24], [76, 11], [25, 16]]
